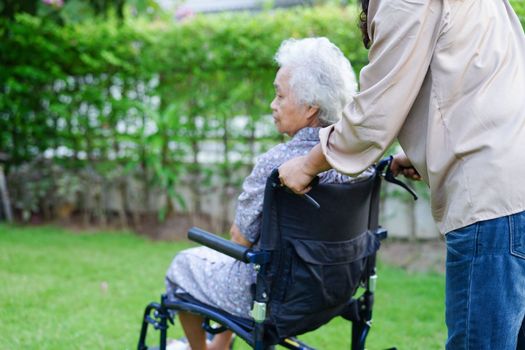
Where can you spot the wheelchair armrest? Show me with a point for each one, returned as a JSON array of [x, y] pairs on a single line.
[[220, 244]]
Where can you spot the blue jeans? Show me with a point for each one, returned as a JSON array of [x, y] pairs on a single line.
[[485, 285]]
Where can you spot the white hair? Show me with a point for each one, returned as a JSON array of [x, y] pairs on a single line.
[[320, 75]]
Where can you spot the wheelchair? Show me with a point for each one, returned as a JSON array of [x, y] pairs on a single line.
[[314, 252]]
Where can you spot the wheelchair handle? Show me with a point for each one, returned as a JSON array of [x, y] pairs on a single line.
[[383, 167], [277, 183], [220, 244]]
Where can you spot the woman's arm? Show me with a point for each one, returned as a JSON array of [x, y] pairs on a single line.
[[238, 237], [404, 35], [248, 215]]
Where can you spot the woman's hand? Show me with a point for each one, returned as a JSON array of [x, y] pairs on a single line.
[[237, 236], [293, 175], [401, 164], [298, 173]]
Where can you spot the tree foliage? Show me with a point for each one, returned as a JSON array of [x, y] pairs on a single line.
[[159, 100]]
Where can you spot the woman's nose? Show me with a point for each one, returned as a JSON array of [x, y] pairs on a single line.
[[273, 105]]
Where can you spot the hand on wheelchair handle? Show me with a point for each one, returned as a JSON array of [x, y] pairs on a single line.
[[389, 173], [400, 164], [308, 198], [293, 176]]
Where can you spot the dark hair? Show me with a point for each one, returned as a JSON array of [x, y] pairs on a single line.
[[363, 19]]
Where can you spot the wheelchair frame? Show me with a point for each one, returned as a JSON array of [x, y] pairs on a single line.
[[359, 310]]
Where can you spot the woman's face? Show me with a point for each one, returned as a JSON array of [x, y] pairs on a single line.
[[288, 115]]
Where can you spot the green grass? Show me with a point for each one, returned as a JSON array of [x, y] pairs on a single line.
[[65, 290]]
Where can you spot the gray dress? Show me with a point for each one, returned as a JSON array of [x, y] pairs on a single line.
[[223, 282]]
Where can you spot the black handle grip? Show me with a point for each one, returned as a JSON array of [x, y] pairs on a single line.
[[217, 243], [384, 167]]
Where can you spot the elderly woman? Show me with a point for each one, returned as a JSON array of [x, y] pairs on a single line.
[[315, 81]]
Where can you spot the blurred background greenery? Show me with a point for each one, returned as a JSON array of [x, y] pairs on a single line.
[[119, 112], [107, 106], [127, 113]]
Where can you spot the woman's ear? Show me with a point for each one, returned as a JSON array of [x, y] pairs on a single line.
[[312, 111]]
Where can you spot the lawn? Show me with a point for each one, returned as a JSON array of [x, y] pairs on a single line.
[[67, 290]]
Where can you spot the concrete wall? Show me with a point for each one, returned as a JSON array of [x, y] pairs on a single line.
[[400, 215], [406, 218]]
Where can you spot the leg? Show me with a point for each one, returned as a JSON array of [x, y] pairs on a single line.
[[221, 341], [460, 250], [192, 325], [485, 298], [193, 330], [521, 337], [219, 280]]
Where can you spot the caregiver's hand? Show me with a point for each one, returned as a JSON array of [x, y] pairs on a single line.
[[294, 175], [298, 173], [402, 165]]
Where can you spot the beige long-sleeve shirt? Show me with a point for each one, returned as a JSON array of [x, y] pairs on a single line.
[[447, 77]]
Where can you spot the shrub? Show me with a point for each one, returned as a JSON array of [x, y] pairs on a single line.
[[162, 99]]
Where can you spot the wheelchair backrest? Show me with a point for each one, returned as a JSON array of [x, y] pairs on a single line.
[[319, 255], [346, 211]]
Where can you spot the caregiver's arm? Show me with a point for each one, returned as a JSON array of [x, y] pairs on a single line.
[[403, 36]]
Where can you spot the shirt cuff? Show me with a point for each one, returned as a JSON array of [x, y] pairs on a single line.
[[339, 154]]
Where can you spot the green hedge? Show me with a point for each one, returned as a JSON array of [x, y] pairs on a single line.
[[146, 97], [53, 75]]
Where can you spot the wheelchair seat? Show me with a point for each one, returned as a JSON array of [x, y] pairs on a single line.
[[313, 253]]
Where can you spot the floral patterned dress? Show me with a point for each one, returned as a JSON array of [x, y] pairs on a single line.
[[217, 279]]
